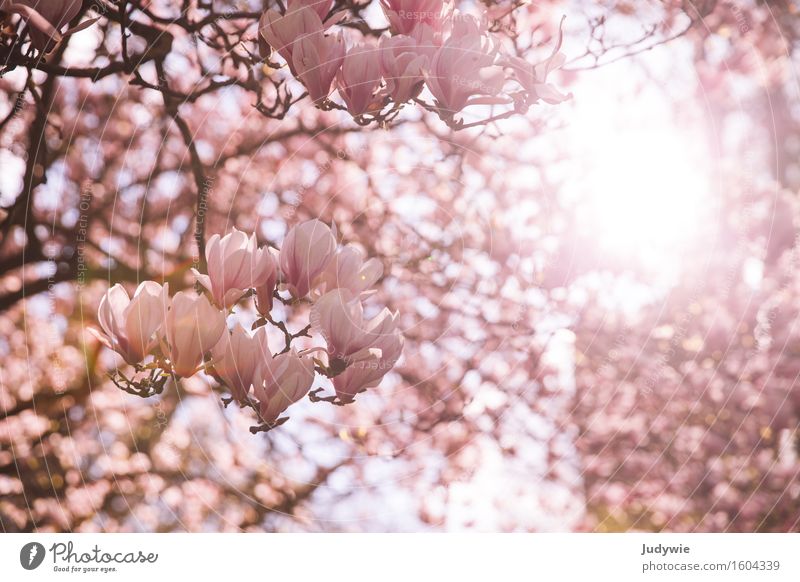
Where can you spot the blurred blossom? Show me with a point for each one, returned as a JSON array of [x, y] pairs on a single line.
[[406, 15], [46, 18], [534, 77], [427, 39]]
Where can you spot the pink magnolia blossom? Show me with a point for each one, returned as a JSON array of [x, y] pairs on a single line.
[[304, 256], [406, 15], [403, 67], [360, 351], [365, 374], [130, 326], [533, 78], [236, 358], [348, 270], [45, 17], [359, 79], [281, 31], [280, 382], [316, 59], [192, 327], [464, 70], [235, 264], [427, 39], [339, 317]]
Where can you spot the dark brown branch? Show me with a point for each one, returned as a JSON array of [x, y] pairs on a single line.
[[202, 182]]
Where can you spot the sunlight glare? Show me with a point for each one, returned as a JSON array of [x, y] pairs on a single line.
[[646, 193], [642, 183]]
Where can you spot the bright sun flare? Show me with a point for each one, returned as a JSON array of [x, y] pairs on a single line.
[[642, 187], [647, 192]]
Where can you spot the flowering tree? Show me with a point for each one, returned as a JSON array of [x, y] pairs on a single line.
[[389, 222]]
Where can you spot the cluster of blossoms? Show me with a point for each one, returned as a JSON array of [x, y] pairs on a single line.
[[429, 44], [179, 336]]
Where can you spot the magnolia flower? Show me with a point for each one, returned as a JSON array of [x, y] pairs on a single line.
[[402, 67], [235, 264], [46, 18], [382, 338], [130, 326], [359, 351], [316, 59], [406, 15], [304, 256], [464, 68], [236, 358], [533, 78], [348, 270], [339, 317], [280, 31], [359, 79], [192, 327], [280, 382], [365, 374], [427, 39]]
